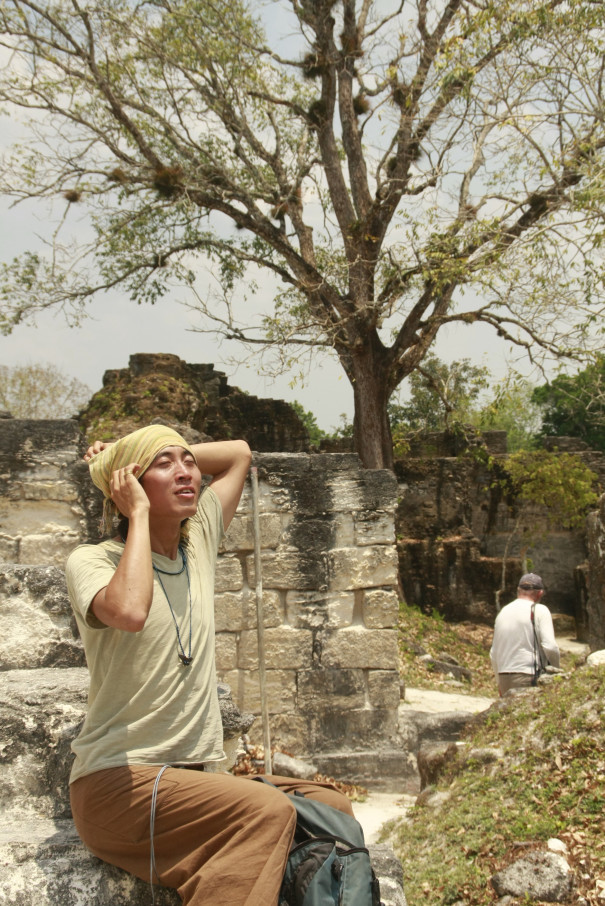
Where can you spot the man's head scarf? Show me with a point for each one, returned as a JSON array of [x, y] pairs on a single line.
[[140, 447]]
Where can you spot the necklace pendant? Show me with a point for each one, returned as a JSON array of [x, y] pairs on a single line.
[[186, 661]]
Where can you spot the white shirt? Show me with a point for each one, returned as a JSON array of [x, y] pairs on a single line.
[[513, 648]]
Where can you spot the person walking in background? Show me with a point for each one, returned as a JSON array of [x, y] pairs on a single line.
[[524, 638]]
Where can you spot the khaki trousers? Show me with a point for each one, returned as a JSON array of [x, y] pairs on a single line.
[[508, 681], [218, 839]]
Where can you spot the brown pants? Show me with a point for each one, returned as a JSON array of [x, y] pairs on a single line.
[[218, 839], [508, 681]]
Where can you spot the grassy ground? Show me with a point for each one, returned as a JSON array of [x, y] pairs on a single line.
[[550, 782], [467, 642]]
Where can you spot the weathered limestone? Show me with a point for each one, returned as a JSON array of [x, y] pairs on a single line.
[[329, 579], [41, 518], [38, 628], [48, 866], [329, 576], [545, 876]]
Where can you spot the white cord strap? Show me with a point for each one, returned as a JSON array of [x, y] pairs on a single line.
[[154, 801]]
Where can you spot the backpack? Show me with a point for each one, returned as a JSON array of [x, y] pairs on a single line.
[[328, 864]]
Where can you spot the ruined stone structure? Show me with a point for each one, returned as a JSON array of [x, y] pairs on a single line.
[[159, 385], [329, 572], [590, 579], [453, 527]]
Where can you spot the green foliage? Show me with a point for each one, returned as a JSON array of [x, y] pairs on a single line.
[[316, 434], [512, 409], [441, 395], [344, 429], [40, 390], [574, 405], [561, 482]]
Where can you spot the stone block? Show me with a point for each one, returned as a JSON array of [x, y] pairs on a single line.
[[280, 690], [384, 689], [38, 628], [229, 574], [240, 534], [364, 489], [311, 536], [342, 689], [362, 567], [51, 547], [289, 569], [341, 609], [387, 768], [306, 609], [332, 729], [380, 608], [25, 517], [316, 610], [344, 530], [225, 647], [9, 549], [43, 863], [359, 647], [284, 648], [286, 729], [49, 488], [374, 527], [234, 611]]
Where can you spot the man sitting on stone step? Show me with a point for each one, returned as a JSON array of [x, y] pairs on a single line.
[[144, 794]]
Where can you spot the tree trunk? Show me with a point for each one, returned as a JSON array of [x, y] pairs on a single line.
[[371, 427]]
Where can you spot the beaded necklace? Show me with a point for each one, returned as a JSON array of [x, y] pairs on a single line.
[[185, 659]]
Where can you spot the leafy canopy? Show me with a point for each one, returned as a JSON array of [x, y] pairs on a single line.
[[574, 405], [394, 168], [441, 395]]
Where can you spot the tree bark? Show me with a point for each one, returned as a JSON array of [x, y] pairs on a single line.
[[371, 426]]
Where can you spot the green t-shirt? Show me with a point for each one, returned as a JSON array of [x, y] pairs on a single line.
[[144, 705]]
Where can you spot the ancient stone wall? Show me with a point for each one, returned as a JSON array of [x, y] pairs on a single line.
[[329, 575], [590, 579], [329, 568], [40, 505], [453, 527]]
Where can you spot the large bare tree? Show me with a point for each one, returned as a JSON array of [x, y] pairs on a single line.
[[397, 166]]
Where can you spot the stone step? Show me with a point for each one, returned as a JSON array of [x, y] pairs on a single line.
[[40, 713], [43, 863], [384, 769]]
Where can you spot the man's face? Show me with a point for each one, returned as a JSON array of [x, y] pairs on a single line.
[[172, 483]]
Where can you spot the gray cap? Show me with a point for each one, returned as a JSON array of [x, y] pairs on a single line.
[[531, 581]]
